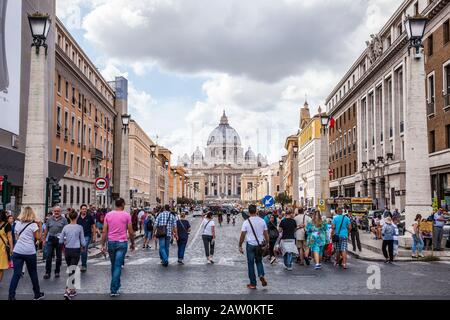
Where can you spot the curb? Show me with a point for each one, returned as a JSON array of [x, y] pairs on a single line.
[[357, 256]]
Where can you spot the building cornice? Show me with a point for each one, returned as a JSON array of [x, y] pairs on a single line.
[[62, 58]]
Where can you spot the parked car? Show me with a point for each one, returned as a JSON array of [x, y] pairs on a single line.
[[198, 212]]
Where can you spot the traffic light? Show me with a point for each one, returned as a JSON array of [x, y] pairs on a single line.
[[56, 194], [4, 188]]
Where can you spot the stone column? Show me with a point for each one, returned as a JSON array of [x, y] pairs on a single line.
[[324, 175], [36, 149], [418, 187], [153, 181]]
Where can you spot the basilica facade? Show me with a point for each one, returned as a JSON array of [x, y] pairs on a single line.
[[215, 174]]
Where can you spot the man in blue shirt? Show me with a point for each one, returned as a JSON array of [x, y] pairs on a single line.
[[90, 234], [340, 229], [438, 229]]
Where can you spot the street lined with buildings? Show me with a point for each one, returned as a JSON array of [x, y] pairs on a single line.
[[368, 170]]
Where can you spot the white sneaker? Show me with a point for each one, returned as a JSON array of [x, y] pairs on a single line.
[[273, 260]]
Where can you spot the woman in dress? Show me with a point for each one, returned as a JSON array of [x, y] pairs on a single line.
[[317, 238], [6, 243]]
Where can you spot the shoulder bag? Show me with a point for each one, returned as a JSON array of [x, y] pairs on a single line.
[[161, 231], [261, 250], [336, 237]]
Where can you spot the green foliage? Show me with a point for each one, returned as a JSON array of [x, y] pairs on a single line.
[[283, 199]]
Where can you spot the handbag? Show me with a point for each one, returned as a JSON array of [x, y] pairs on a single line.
[[336, 237], [161, 231], [273, 233], [261, 250]]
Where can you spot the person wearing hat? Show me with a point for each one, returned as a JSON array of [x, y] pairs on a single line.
[[438, 229]]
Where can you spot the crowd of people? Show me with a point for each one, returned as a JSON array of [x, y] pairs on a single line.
[[295, 236]]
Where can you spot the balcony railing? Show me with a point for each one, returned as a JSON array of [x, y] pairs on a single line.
[[430, 109], [96, 154]]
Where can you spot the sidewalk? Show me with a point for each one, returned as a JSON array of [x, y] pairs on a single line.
[[371, 251]]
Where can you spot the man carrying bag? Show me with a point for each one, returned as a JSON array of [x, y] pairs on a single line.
[[255, 233]]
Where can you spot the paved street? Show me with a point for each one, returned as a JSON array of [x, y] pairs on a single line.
[[143, 277]]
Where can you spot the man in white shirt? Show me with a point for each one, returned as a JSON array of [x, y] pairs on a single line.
[[302, 221], [255, 233]]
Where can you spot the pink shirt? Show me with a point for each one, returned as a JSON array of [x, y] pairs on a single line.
[[118, 222]]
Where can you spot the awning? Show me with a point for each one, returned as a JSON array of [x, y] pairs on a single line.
[[12, 163]]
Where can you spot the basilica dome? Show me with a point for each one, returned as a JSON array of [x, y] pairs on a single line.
[[224, 134]]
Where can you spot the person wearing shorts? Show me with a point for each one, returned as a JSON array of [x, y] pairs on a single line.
[[341, 227]]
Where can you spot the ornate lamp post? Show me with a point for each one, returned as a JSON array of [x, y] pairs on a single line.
[[324, 160], [295, 184], [36, 149], [124, 163], [418, 186], [153, 176]]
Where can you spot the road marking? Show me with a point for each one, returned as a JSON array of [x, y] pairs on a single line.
[[195, 237]]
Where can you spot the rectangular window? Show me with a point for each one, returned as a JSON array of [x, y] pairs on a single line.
[[430, 45], [65, 158], [446, 27], [57, 155], [89, 169], [432, 141], [72, 129], [447, 131], [58, 120], [59, 84], [71, 163], [83, 166], [78, 165], [67, 90]]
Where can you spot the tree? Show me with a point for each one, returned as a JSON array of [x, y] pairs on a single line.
[[283, 199]]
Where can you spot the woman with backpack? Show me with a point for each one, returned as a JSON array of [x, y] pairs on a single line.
[[273, 237], [6, 243], [388, 233], [149, 222], [28, 231], [209, 236]]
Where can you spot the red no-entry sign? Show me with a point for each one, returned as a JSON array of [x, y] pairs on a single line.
[[101, 184]]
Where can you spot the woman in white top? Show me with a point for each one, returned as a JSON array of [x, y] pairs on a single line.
[[27, 232], [209, 236]]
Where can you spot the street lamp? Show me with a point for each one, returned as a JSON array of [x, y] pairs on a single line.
[[415, 28], [153, 150], [40, 27], [125, 122], [324, 120], [295, 149], [281, 163], [166, 164]]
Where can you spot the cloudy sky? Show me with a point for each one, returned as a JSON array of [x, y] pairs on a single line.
[[188, 60]]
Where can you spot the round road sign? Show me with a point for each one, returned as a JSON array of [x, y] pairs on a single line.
[[101, 184]]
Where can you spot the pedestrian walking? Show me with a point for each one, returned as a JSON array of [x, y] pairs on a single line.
[[86, 221], [255, 232], [273, 237], [388, 233], [183, 229], [165, 229], [209, 237], [418, 244], [74, 241], [141, 219], [340, 229], [354, 233], [287, 228], [135, 220], [317, 238], [438, 229], [6, 243], [302, 220], [117, 225], [148, 230], [54, 227], [28, 231], [12, 222]]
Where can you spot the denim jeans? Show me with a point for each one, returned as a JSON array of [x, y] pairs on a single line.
[[31, 263], [53, 246], [417, 245], [438, 232], [117, 251], [84, 254], [288, 259], [181, 249], [252, 259], [164, 246]]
